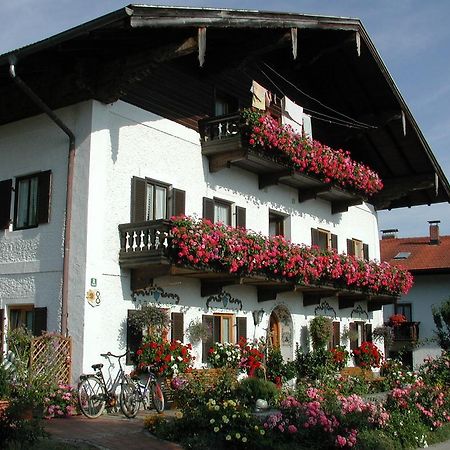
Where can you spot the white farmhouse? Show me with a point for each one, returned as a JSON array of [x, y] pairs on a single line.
[[109, 129]]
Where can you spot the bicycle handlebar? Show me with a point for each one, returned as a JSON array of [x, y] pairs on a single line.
[[107, 355]]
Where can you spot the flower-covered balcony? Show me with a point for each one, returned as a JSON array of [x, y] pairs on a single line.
[[220, 255], [258, 143], [406, 332]]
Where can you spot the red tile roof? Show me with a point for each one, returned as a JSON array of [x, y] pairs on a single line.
[[423, 257]]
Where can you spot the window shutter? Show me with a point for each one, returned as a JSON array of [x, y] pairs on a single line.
[[336, 334], [334, 241], [208, 209], [240, 217], [314, 236], [177, 329], [368, 332], [5, 203], [350, 247], [241, 325], [44, 180], [207, 343], [39, 321], [353, 327], [138, 199], [2, 327], [178, 202], [217, 329], [134, 338], [366, 252]]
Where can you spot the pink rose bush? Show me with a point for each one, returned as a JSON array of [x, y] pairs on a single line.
[[204, 245], [308, 156], [61, 402]]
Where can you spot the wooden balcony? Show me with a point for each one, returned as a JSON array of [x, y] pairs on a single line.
[[407, 332], [223, 144], [146, 249]]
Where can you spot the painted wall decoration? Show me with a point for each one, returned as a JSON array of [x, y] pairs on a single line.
[[156, 294], [360, 312], [226, 301], [93, 297], [325, 309]]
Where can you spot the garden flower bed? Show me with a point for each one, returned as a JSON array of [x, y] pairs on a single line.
[[204, 245]]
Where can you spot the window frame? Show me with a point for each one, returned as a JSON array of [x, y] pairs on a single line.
[[279, 220], [231, 326], [224, 203], [155, 184], [23, 310], [400, 309], [17, 190]]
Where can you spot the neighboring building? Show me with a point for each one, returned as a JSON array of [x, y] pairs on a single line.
[[428, 259], [148, 98]]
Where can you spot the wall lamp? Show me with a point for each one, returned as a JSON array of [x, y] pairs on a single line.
[[257, 316]]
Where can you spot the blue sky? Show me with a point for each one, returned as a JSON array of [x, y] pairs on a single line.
[[412, 36]]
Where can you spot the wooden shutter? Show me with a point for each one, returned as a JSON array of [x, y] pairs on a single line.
[[353, 327], [241, 325], [336, 334], [177, 329], [138, 199], [366, 252], [208, 209], [178, 202], [134, 338], [240, 217], [44, 183], [2, 327], [5, 203], [350, 247], [314, 236], [368, 332], [207, 343], [334, 241], [39, 321]]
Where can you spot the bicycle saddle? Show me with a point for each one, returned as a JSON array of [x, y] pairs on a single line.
[[97, 366]]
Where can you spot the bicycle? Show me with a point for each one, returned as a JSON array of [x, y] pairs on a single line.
[[94, 394], [148, 393]]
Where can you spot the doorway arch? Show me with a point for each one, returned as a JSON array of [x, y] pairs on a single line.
[[280, 332]]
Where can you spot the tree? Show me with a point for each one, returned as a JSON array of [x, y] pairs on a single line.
[[441, 317]]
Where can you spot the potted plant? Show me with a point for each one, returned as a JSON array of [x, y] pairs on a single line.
[[367, 355], [397, 319], [320, 330], [151, 318]]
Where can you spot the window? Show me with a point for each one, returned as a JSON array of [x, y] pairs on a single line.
[[335, 338], [359, 332], [31, 201], [357, 248], [405, 309], [34, 319], [224, 104], [323, 239], [153, 200], [218, 210], [276, 224], [222, 329]]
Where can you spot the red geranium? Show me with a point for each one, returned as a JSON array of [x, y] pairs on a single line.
[[367, 355]]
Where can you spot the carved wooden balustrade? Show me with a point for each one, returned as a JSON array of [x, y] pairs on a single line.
[[407, 331], [144, 242]]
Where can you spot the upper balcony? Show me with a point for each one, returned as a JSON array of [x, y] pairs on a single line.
[[226, 140], [218, 256], [406, 332]]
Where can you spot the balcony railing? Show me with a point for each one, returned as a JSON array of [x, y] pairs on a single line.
[[406, 332], [223, 144], [144, 243]]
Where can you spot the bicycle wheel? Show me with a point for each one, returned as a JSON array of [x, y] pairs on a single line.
[[91, 397], [157, 396], [129, 399]]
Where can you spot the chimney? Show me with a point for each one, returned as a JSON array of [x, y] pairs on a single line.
[[434, 231], [389, 234]]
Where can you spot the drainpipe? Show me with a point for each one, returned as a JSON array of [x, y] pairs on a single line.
[[70, 169]]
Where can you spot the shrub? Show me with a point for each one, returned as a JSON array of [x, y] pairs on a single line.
[[224, 355], [277, 370], [250, 389], [375, 440], [367, 355], [317, 365], [441, 317], [436, 371]]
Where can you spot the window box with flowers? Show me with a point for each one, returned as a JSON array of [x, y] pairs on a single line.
[[216, 247], [396, 320]]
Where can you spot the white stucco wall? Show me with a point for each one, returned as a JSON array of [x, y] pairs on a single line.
[[114, 143], [428, 290], [126, 142]]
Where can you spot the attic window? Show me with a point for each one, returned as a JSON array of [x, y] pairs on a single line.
[[402, 255]]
